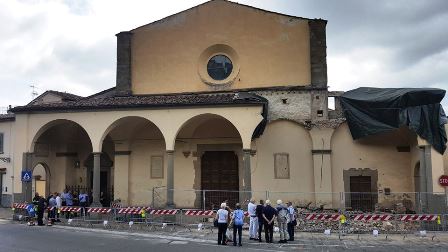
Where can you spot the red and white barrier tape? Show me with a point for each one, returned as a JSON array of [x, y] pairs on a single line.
[[372, 217], [419, 217], [19, 205], [71, 209], [329, 217], [102, 210], [164, 212], [199, 213], [133, 210]]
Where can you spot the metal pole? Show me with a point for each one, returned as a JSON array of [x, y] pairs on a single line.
[[203, 199]]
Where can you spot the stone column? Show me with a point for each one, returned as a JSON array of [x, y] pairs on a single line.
[[121, 176], [247, 173], [27, 163], [96, 178], [170, 179]]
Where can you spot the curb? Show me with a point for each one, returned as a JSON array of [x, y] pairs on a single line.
[[146, 235]]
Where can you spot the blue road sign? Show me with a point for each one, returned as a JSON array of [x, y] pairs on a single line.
[[27, 176]]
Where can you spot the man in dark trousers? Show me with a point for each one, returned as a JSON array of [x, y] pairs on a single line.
[[39, 202], [259, 213], [269, 214]]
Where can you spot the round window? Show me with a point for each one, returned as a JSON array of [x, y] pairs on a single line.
[[219, 67]]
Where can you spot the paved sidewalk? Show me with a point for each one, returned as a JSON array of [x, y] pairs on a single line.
[[5, 213], [302, 238]]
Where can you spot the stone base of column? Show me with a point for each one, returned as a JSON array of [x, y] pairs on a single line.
[[96, 204], [170, 206]]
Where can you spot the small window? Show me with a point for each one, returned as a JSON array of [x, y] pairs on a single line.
[[281, 165], [219, 67], [157, 167], [1, 142]]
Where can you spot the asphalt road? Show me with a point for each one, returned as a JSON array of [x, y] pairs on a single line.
[[19, 237]]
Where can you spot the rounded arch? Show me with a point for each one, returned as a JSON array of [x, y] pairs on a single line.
[[41, 169], [121, 121], [199, 119], [52, 124], [284, 142]]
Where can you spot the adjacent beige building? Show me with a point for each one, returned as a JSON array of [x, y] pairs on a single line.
[[221, 96]]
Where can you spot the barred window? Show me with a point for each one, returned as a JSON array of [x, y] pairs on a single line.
[[281, 165]]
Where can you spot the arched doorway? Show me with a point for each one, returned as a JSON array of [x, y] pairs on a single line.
[[212, 153], [41, 181]]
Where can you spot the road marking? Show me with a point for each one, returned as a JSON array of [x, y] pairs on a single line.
[[179, 242]]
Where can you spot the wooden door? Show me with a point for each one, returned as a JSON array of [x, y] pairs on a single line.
[[361, 196], [219, 177]]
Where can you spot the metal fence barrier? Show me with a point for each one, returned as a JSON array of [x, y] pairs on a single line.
[[341, 213]]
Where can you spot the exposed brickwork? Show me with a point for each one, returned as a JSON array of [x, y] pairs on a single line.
[[124, 81], [290, 105]]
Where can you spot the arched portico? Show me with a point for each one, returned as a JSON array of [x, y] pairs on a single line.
[[209, 156], [133, 142], [57, 149]]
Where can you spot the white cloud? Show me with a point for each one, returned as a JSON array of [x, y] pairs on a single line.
[[70, 45]]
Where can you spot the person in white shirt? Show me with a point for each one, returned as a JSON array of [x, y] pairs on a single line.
[[58, 206], [222, 216], [253, 223]]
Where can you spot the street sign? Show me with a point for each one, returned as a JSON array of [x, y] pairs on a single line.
[[27, 176], [443, 180]]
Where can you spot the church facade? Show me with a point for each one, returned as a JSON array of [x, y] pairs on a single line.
[[219, 97]]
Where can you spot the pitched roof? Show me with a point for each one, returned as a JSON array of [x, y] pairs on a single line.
[[107, 100], [225, 1], [64, 96], [7, 117]]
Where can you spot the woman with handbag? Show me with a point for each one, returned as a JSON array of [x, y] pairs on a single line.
[[222, 218]]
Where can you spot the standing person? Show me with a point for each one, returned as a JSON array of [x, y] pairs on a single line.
[[40, 203], [269, 214], [58, 206], [282, 220], [238, 221], [63, 195], [259, 213], [253, 223], [75, 199], [222, 216], [227, 233], [69, 201], [83, 200], [292, 221], [52, 209]]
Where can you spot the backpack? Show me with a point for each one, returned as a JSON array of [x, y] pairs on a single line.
[[238, 217], [283, 215]]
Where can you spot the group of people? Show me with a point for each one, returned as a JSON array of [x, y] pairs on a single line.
[[261, 216], [55, 202]]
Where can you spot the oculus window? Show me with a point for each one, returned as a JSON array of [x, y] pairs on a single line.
[[219, 67]]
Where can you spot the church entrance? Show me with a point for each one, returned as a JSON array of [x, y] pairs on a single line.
[[219, 176]]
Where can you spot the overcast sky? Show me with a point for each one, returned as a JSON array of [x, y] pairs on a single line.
[[70, 45]]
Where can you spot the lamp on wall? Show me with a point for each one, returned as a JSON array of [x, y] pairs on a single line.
[[186, 150]]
